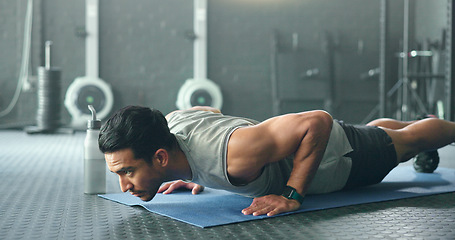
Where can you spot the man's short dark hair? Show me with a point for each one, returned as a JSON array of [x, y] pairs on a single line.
[[142, 129]]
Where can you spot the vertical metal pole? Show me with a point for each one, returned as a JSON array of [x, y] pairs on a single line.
[[450, 64], [200, 43], [399, 102], [92, 39], [405, 104], [382, 57], [274, 75], [47, 55], [332, 100], [37, 32]]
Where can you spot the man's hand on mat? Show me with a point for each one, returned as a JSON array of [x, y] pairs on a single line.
[[179, 184], [271, 205]]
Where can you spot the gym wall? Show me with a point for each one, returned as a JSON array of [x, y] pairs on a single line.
[[319, 52]]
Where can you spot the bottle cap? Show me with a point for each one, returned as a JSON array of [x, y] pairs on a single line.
[[93, 123]]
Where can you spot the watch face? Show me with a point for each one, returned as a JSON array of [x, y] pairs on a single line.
[[287, 192], [291, 193]]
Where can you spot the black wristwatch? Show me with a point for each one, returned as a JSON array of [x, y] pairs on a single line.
[[290, 193]]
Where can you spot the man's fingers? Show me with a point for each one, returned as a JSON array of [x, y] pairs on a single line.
[[171, 186], [247, 211], [164, 187], [270, 205], [255, 207], [170, 189], [175, 185], [197, 189], [257, 210], [263, 210], [273, 212]]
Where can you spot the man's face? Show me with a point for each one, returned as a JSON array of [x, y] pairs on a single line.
[[135, 175]]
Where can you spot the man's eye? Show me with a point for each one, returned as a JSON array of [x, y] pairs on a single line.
[[128, 173]]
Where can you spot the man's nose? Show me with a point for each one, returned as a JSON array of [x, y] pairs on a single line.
[[125, 184]]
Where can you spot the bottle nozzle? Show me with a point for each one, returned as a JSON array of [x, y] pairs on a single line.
[[93, 111], [93, 123]]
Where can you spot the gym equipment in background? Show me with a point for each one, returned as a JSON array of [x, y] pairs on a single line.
[[199, 91], [90, 89], [421, 73], [86, 91], [48, 117], [23, 79]]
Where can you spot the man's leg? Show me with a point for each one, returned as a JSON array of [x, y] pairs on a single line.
[[426, 161], [417, 136], [389, 123]]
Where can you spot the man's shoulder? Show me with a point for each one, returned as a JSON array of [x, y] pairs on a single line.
[[179, 114], [193, 111]]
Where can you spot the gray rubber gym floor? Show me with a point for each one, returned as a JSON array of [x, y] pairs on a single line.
[[41, 197]]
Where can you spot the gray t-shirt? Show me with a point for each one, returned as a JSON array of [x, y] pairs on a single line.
[[203, 137]]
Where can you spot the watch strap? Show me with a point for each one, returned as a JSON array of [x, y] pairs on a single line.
[[291, 193]]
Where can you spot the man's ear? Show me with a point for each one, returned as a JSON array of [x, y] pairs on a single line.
[[162, 157]]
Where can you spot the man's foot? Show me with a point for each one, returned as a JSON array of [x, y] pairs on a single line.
[[423, 116], [426, 162]]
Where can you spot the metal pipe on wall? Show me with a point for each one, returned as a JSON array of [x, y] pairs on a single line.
[[200, 43], [405, 79], [273, 74], [92, 39], [450, 63], [383, 24]]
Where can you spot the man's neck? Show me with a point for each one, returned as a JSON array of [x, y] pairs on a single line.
[[179, 167]]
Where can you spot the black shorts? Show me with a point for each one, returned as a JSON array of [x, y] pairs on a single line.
[[374, 155]]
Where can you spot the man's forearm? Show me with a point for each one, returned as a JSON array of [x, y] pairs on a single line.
[[302, 174]]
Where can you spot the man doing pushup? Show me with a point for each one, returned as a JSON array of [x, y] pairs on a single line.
[[277, 161]]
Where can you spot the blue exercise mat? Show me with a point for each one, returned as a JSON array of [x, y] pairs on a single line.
[[215, 207]]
